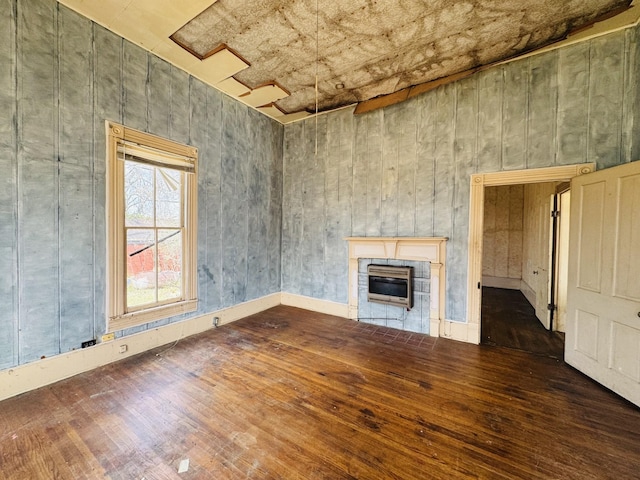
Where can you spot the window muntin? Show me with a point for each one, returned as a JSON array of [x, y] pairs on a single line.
[[152, 226]]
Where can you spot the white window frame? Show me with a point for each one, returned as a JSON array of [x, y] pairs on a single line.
[[168, 153]]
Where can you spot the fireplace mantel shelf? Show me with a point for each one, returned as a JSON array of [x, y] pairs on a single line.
[[426, 249]]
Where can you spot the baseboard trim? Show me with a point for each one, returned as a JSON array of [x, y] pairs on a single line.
[[461, 331], [23, 378], [529, 293], [314, 304], [501, 282]]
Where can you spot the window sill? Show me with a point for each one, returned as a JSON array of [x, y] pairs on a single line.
[[141, 317]]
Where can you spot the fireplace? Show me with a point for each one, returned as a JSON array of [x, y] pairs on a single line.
[[407, 250], [390, 285]]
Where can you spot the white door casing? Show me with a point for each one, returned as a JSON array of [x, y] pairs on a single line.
[[476, 228], [562, 261], [603, 298]]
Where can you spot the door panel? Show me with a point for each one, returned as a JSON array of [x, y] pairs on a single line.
[[586, 334], [603, 297], [591, 225], [625, 350], [627, 266]]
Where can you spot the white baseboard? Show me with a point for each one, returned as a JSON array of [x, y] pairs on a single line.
[[501, 282], [23, 378], [528, 292], [316, 305], [461, 331], [231, 314]]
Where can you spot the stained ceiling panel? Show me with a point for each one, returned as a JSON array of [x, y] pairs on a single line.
[[219, 66], [366, 48], [369, 52]]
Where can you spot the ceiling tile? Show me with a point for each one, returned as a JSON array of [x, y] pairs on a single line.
[[264, 95], [231, 86]]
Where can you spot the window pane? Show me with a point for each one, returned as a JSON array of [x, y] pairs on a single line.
[[169, 264], [141, 271], [138, 194], [169, 194]]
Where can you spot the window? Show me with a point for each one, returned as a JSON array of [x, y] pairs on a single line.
[[152, 206]]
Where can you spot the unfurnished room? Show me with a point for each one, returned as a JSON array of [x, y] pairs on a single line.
[[378, 239]]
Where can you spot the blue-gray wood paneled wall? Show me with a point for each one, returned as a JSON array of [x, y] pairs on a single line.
[[61, 76], [405, 170]]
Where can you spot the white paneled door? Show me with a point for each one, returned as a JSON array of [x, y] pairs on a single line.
[[603, 298]]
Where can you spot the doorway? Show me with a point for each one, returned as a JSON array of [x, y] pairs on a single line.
[[520, 268], [476, 224]]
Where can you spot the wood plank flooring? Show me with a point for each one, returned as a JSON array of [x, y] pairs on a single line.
[[509, 320], [290, 394]]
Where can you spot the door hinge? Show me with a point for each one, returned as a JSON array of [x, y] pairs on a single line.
[[551, 307], [555, 213]]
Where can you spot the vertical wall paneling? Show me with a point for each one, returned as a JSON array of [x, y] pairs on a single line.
[[516, 235], [75, 178], [445, 131], [515, 115], [61, 77], [573, 104], [407, 147], [244, 156], [257, 203], [605, 99], [389, 189], [38, 180], [267, 177], [540, 111], [8, 187], [295, 158], [491, 243], [374, 167], [211, 167], [338, 202], [490, 109], [274, 232], [332, 231], [502, 236], [631, 126], [198, 136], [107, 74], [159, 91], [135, 85], [313, 205], [180, 121], [230, 214], [425, 164], [360, 160], [465, 145], [541, 127]]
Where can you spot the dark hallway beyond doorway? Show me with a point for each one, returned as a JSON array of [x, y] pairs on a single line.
[[508, 320]]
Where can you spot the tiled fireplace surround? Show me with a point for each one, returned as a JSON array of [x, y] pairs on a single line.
[[400, 251]]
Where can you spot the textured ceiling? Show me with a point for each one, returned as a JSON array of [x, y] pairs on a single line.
[[362, 49]]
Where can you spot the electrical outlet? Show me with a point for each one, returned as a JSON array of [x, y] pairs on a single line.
[[123, 348], [108, 337], [216, 321], [89, 343]]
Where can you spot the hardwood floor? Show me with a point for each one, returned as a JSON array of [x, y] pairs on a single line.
[[509, 320], [289, 394]]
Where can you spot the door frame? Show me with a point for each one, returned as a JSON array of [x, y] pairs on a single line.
[[561, 260], [476, 224]]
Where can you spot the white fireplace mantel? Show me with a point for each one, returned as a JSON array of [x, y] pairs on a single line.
[[425, 249]]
